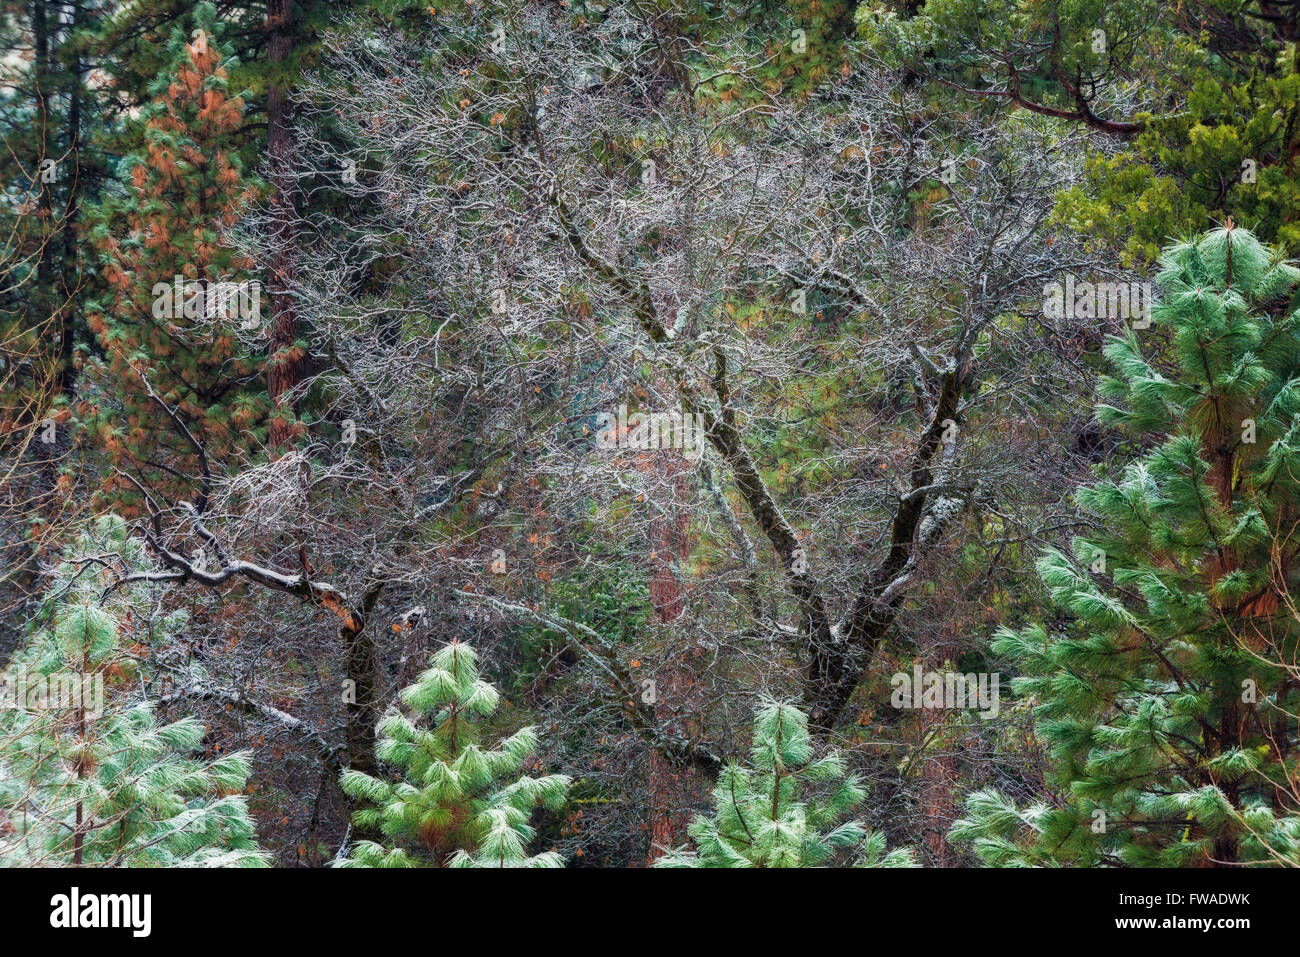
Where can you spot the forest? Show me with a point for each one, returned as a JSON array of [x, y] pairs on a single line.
[[649, 434]]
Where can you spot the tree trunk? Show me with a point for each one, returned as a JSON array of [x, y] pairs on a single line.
[[362, 662], [286, 366], [669, 787]]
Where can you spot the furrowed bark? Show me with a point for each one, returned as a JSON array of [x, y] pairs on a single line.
[[285, 367]]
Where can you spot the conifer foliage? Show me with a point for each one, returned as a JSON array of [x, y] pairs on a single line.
[[1166, 704], [760, 820], [90, 777], [455, 802], [163, 253]]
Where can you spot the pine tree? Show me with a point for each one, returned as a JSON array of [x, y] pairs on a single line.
[[1165, 706], [89, 776], [759, 819], [1223, 150], [163, 252], [455, 803]]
